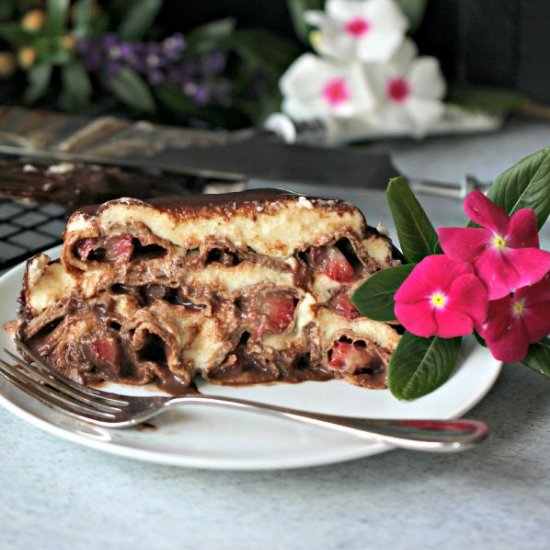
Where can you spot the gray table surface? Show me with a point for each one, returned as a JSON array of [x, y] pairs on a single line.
[[56, 494]]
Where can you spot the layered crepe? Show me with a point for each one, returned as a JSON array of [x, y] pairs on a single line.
[[240, 288]]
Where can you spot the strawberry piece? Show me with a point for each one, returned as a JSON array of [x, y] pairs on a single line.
[[119, 249], [105, 351], [340, 303], [350, 357], [86, 246], [330, 261], [274, 312]]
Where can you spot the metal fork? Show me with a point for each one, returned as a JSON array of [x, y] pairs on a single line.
[[111, 410]]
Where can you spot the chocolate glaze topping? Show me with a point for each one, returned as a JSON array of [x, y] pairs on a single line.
[[76, 184], [222, 203]]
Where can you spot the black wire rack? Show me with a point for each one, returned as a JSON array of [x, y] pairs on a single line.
[[28, 229]]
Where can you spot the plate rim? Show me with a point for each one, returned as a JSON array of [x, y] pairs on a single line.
[[329, 456]]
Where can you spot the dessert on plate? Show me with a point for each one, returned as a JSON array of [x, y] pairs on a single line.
[[240, 288]]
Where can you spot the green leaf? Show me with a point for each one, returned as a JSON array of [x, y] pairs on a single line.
[[373, 298], [210, 37], [526, 184], [417, 236], [14, 33], [259, 109], [174, 101], [414, 10], [83, 16], [538, 357], [77, 87], [129, 88], [139, 19], [479, 339], [39, 79], [264, 50], [7, 10], [420, 365], [99, 25], [297, 8], [58, 11], [498, 101], [171, 97], [50, 50]]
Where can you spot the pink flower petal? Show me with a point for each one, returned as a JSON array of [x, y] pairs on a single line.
[[523, 231], [499, 319], [431, 274], [537, 321], [463, 244], [536, 317], [451, 323], [531, 264], [414, 289], [468, 295], [465, 298], [486, 213], [512, 346], [416, 318], [497, 272], [442, 271], [539, 291], [418, 285]]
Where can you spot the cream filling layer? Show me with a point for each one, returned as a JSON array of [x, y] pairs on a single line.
[[277, 230]]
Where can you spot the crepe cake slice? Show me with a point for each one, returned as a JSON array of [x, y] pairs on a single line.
[[241, 288]]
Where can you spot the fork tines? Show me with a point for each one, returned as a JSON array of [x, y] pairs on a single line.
[[57, 391]]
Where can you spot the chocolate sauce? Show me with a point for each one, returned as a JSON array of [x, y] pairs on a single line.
[[224, 203], [76, 184]]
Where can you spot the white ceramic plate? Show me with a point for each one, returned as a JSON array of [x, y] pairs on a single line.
[[214, 438]]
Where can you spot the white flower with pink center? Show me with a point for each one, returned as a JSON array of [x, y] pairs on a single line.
[[367, 30], [409, 91], [314, 88]]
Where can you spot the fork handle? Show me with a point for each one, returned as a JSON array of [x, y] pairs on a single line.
[[419, 435]]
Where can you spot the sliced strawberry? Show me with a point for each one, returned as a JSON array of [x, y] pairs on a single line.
[[119, 249], [104, 352], [86, 246], [274, 313], [340, 303], [349, 357], [330, 261]]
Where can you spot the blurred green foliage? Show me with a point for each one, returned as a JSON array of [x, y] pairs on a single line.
[[43, 39]]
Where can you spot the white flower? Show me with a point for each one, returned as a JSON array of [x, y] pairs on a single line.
[[409, 91], [369, 30], [314, 88]]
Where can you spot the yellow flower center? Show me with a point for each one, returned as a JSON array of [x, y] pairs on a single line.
[[518, 308], [438, 300], [499, 242]]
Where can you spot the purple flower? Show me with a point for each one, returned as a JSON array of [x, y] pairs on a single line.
[[201, 95], [154, 48], [156, 61], [113, 68], [155, 77], [173, 75], [126, 50], [84, 46], [114, 52], [188, 70], [109, 40], [153, 60], [213, 64], [173, 46]]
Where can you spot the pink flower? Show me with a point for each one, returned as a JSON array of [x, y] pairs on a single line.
[[516, 321], [441, 297], [504, 251]]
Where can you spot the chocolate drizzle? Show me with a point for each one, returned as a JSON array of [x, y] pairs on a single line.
[[73, 185]]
